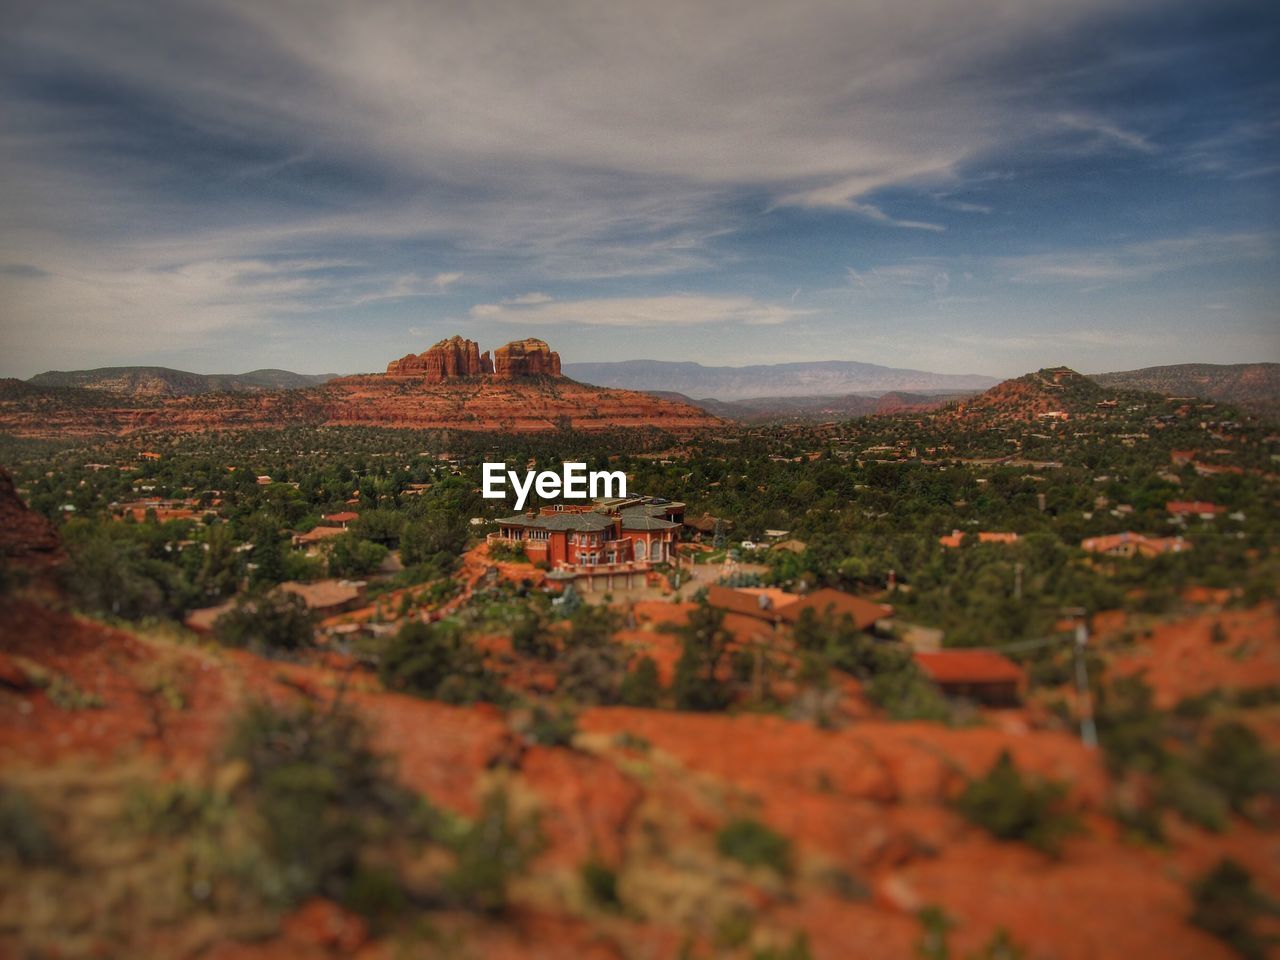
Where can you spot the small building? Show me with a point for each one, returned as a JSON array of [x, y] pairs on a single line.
[[990, 678], [836, 603], [1130, 544], [313, 538], [340, 520], [1194, 508]]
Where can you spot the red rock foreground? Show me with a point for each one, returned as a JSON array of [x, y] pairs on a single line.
[[449, 386]]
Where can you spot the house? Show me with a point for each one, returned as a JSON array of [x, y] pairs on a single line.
[[991, 537], [340, 520], [790, 546], [1194, 508], [952, 540], [312, 538], [835, 603], [327, 597], [705, 525], [1129, 544], [760, 604], [982, 675], [615, 536]]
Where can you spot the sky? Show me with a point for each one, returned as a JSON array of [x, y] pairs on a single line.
[[961, 186]]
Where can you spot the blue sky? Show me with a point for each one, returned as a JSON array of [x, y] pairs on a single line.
[[987, 186]]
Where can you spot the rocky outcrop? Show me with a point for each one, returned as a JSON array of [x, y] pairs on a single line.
[[526, 358], [28, 541], [447, 360]]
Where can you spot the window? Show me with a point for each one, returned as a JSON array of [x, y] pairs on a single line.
[[640, 550]]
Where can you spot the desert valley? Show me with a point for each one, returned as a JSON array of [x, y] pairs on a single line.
[[278, 683]]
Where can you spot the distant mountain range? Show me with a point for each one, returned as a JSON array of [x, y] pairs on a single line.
[[823, 378], [820, 390], [166, 382], [842, 407], [1254, 386]]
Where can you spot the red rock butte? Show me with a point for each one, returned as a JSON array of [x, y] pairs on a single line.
[[457, 357]]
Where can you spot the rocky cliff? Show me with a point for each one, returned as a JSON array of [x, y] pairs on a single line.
[[447, 360], [526, 358], [451, 385]]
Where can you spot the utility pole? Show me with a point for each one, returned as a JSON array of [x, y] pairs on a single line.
[[1088, 730]]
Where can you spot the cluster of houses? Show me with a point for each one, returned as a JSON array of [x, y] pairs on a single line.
[[763, 614]]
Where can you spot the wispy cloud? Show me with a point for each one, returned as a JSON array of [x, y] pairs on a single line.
[[1129, 262], [676, 310]]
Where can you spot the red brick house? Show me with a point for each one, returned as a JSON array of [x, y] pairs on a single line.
[[639, 531]]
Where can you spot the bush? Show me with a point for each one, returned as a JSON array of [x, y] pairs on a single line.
[[1011, 808], [1227, 905], [349, 556], [323, 799], [600, 884], [1236, 762], [490, 852], [752, 843], [704, 644], [25, 837], [530, 637], [641, 686], [437, 663], [268, 621], [552, 727]]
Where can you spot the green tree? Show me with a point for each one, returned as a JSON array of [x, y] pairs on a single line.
[[697, 684]]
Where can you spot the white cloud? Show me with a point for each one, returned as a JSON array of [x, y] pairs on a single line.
[[1124, 263], [661, 311]]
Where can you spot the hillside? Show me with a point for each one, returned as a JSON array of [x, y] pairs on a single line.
[[510, 399], [814, 408], [166, 382], [817, 379], [1254, 386], [1054, 392]]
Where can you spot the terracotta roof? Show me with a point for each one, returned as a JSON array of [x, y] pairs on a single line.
[[346, 516], [968, 666], [838, 603], [758, 605], [988, 537], [323, 594], [1192, 506], [319, 533]]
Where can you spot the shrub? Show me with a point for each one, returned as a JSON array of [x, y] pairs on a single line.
[[552, 727], [350, 556], [1236, 762], [269, 621], [1012, 808], [704, 644], [437, 663], [25, 837], [530, 637], [490, 852], [751, 842], [600, 884], [1227, 905], [323, 799], [641, 686]]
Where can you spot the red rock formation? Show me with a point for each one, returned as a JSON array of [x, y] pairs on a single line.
[[526, 358], [448, 359], [27, 540]]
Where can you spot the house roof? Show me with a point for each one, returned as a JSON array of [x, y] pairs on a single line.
[[346, 516], [320, 533], [758, 605], [323, 593], [1192, 506], [837, 603], [968, 666], [638, 521]]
